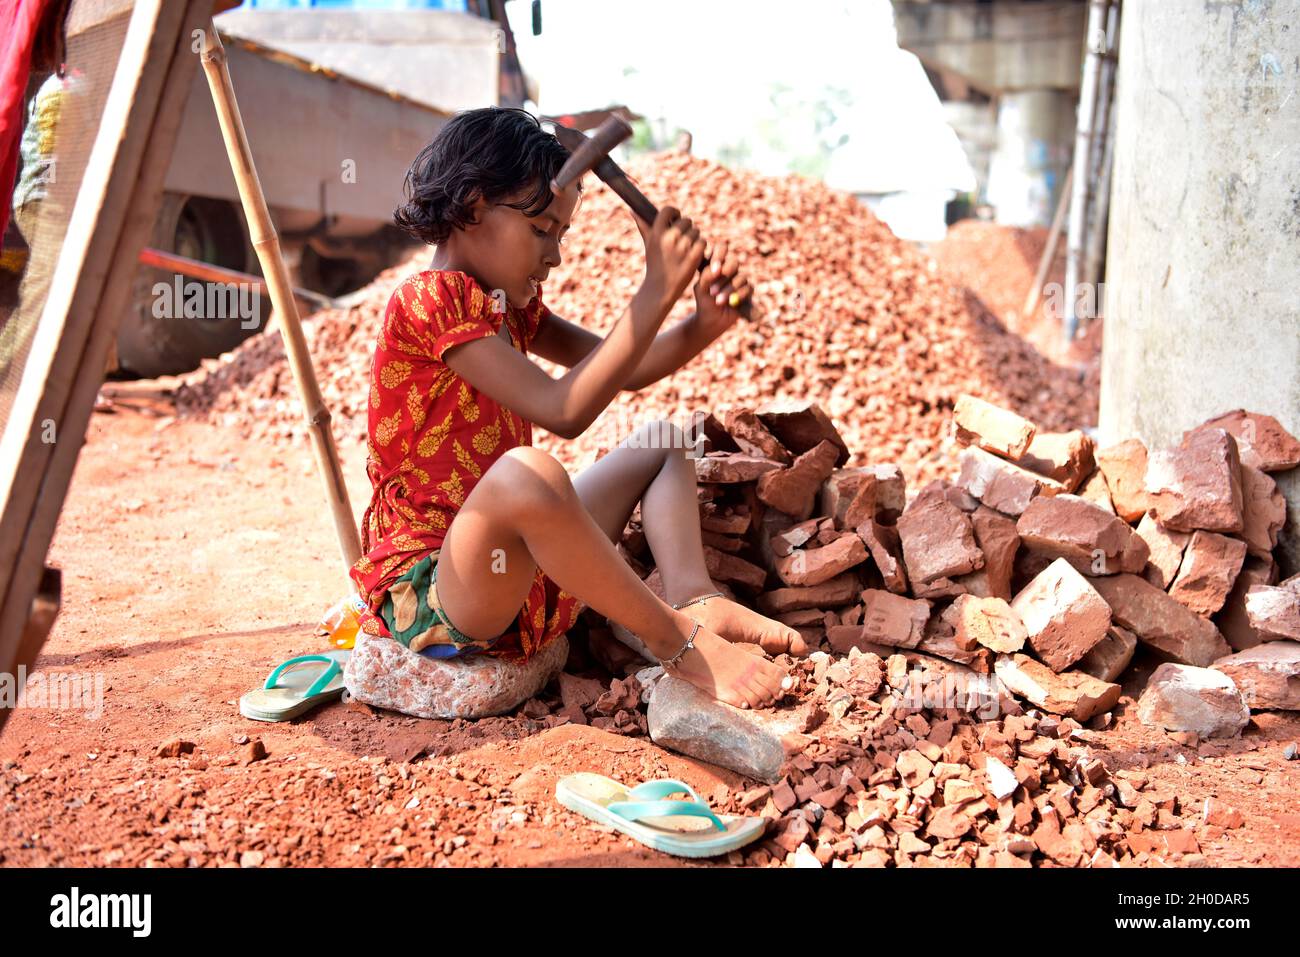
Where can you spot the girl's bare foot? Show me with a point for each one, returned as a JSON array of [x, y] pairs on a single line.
[[735, 622], [730, 673]]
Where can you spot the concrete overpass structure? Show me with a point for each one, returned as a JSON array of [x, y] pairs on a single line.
[[1009, 73]]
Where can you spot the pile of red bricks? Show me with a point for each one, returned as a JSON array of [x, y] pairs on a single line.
[[1027, 562], [845, 314], [1027, 581]]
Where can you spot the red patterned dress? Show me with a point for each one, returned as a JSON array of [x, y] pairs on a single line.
[[432, 435]]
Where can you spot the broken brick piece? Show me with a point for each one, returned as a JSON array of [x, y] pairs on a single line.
[[1274, 612], [998, 540], [1064, 615], [796, 536], [1232, 619], [889, 619], [1073, 693], [891, 492], [840, 590], [792, 836], [992, 428], [1217, 814], [1088, 537], [1274, 447], [732, 467], [1161, 622], [804, 616], [1198, 484], [174, 748], [1208, 571], [844, 638], [706, 424], [1000, 484], [959, 497], [1108, 658], [829, 797], [940, 640], [1165, 549], [1263, 511], [753, 437], [948, 823], [1095, 490], [987, 622], [913, 768], [729, 522], [1124, 467], [937, 538], [732, 568], [943, 587], [801, 426], [783, 796], [1065, 457], [579, 693], [793, 490], [848, 496], [724, 543], [1268, 675], [812, 566], [1186, 698], [887, 552]]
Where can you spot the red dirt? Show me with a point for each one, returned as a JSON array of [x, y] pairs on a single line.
[[194, 560]]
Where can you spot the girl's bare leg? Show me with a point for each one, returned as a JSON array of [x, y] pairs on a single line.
[[651, 466], [524, 513]]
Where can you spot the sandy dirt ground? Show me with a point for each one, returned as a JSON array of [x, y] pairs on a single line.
[[194, 561]]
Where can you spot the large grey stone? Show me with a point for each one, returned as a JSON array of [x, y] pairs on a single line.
[[685, 719]]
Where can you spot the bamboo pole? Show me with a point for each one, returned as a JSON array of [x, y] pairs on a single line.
[[1049, 250], [267, 245], [1096, 240], [1083, 183]]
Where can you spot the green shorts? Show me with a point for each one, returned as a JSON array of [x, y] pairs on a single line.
[[415, 616]]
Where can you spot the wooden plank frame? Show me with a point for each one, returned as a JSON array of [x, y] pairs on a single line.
[[110, 223]]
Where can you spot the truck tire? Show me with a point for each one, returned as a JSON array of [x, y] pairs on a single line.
[[155, 337]]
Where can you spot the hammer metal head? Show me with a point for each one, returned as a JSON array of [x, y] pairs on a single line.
[[585, 151]]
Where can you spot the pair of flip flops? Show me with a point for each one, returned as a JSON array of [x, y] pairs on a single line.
[[684, 828], [296, 686]]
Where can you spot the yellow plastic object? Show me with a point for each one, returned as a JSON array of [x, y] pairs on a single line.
[[340, 625]]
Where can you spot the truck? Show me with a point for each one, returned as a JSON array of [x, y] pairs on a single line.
[[336, 104]]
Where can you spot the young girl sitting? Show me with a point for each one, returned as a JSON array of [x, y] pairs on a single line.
[[478, 544]]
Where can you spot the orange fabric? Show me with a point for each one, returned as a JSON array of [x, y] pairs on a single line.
[[432, 436]]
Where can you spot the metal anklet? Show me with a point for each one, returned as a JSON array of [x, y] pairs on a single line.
[[690, 643], [691, 601]]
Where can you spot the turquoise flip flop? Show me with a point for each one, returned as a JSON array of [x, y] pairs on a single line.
[[684, 828], [296, 686]]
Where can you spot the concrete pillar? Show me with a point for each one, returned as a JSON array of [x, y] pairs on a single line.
[[1203, 284], [1035, 135]]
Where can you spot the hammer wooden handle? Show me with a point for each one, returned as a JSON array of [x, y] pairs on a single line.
[[593, 153]]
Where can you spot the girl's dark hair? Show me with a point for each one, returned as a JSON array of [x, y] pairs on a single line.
[[494, 152]]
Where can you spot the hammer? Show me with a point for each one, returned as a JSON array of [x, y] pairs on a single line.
[[592, 153]]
